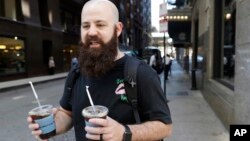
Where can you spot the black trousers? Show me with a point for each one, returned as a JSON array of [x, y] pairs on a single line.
[[51, 71], [166, 71]]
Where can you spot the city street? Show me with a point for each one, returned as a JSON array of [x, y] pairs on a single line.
[[193, 119], [207, 90], [15, 104]]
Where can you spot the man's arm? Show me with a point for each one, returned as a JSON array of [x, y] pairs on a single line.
[[113, 131], [63, 120], [150, 130]]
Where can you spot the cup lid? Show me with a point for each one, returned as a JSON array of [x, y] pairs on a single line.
[[43, 109], [101, 111]]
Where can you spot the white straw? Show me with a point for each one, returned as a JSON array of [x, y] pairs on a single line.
[[90, 99], [35, 94]]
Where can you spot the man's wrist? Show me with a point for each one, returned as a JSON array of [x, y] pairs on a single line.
[[127, 135]]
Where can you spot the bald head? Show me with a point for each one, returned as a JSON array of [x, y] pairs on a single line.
[[100, 18], [104, 5]]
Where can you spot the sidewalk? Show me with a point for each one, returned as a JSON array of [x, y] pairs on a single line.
[[193, 119], [4, 86]]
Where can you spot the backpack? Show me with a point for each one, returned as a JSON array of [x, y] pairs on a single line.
[[130, 74]]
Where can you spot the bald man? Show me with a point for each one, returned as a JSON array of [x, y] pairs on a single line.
[[101, 65]]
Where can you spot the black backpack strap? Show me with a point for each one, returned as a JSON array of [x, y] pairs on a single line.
[[130, 74], [71, 79]]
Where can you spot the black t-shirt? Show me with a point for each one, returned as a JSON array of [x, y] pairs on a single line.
[[109, 91]]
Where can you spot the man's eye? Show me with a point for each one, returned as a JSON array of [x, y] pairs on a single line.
[[85, 26], [100, 25]]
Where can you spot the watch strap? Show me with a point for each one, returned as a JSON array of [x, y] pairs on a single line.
[[127, 136]]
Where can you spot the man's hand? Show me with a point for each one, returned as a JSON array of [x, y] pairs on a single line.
[[110, 130], [34, 127]]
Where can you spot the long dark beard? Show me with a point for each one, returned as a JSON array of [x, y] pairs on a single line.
[[95, 62]]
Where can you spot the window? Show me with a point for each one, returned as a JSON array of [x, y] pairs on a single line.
[[43, 10], [229, 41], [12, 56], [224, 42], [70, 22], [11, 9], [2, 8]]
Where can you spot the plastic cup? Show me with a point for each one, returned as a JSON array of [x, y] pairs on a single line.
[[44, 117], [97, 112]]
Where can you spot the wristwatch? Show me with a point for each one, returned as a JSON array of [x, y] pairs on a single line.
[[127, 136]]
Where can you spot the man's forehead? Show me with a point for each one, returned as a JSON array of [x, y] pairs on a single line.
[[102, 8], [95, 22], [95, 16]]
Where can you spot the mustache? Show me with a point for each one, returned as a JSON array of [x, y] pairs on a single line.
[[90, 39]]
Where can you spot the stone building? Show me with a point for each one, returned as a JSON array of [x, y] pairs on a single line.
[[220, 36]]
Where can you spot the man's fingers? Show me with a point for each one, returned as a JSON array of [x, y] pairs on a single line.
[[96, 130], [29, 119], [99, 121], [34, 126], [55, 110], [36, 132], [94, 136]]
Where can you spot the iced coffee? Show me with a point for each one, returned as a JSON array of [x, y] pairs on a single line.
[[44, 117], [95, 111]]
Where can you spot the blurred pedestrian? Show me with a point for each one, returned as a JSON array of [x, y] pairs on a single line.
[[156, 62], [152, 60], [74, 61], [186, 63], [167, 66], [51, 65]]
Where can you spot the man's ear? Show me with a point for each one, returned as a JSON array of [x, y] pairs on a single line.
[[119, 27]]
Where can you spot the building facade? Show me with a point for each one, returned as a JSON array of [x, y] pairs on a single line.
[[220, 36], [136, 17], [33, 30], [179, 29]]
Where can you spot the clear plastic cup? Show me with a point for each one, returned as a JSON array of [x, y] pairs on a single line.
[[89, 112], [44, 117]]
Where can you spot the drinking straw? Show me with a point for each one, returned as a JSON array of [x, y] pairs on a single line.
[[90, 99], [35, 94]]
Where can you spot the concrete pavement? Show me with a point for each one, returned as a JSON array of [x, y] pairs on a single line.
[[193, 119]]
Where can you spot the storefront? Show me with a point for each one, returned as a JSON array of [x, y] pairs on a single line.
[[12, 56]]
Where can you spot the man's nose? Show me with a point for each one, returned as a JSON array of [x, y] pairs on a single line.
[[92, 31]]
